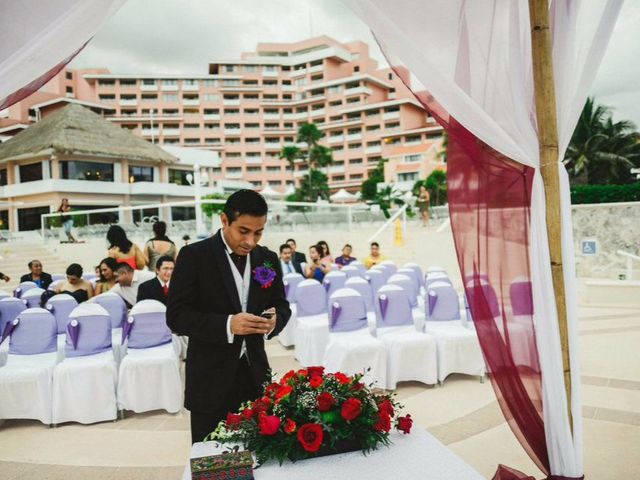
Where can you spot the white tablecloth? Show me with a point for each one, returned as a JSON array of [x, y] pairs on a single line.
[[415, 456]]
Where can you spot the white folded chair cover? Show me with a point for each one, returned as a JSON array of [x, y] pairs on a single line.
[[311, 330], [117, 309], [149, 377], [291, 281], [26, 378], [353, 351], [411, 355], [10, 308], [84, 387]]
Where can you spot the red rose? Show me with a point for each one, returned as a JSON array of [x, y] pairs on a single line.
[[302, 372], [286, 377], [262, 404], [268, 424], [233, 420], [357, 386], [404, 424], [289, 426], [283, 391], [310, 436], [387, 407], [342, 378], [384, 422], [247, 413], [351, 409], [271, 388], [315, 371], [325, 401], [316, 381]]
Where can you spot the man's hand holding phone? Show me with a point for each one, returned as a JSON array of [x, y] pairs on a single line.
[[269, 317]]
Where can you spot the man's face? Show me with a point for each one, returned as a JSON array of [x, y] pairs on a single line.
[[244, 233], [286, 255], [346, 251], [36, 267], [375, 250], [165, 271], [124, 278], [292, 245]]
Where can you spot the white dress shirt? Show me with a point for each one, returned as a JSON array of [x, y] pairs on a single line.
[[285, 267]]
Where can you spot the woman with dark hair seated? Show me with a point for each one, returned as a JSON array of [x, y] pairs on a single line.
[[316, 268], [159, 246], [75, 285], [123, 249], [107, 279]]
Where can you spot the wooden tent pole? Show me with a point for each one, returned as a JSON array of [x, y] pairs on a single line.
[[545, 99]]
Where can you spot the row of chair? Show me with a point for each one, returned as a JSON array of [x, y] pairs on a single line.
[[89, 382]]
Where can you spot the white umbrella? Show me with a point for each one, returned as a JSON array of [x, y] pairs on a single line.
[[343, 196], [270, 192]]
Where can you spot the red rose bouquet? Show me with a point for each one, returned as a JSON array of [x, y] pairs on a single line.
[[309, 413]]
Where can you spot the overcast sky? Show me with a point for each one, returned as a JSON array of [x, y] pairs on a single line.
[[182, 36]]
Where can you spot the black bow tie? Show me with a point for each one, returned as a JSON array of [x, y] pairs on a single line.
[[240, 261]]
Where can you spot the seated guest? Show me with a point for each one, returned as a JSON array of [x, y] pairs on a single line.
[[375, 257], [128, 283], [288, 264], [75, 285], [37, 276], [123, 249], [297, 256], [107, 275], [326, 256], [159, 246], [158, 288], [316, 268], [345, 258]]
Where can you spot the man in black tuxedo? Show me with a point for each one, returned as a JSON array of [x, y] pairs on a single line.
[[227, 296], [297, 256], [287, 263], [158, 288], [36, 275]]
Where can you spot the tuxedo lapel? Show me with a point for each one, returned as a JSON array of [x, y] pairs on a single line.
[[225, 270], [256, 259]]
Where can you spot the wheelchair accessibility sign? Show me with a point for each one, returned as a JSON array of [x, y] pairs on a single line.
[[589, 246]]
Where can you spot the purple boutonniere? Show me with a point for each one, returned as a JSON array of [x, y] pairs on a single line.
[[264, 275]]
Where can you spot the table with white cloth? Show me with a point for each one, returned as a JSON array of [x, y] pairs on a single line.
[[414, 456]]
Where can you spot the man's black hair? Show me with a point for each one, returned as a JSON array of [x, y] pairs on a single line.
[[284, 246], [347, 245], [376, 244], [291, 240], [124, 267], [245, 202], [30, 264], [162, 259]]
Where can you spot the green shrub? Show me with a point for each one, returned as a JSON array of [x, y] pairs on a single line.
[[605, 193], [211, 209]]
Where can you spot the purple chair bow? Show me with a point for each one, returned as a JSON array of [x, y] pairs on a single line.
[[363, 288], [9, 327], [61, 307], [393, 307], [114, 305], [146, 326], [10, 308], [92, 334], [521, 297], [348, 311], [33, 332], [442, 302], [312, 298]]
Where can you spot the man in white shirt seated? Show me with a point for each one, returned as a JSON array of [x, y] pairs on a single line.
[[287, 263], [127, 283], [158, 288]]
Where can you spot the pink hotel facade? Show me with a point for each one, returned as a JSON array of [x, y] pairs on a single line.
[[247, 109]]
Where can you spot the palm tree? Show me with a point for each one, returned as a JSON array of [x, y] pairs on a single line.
[[601, 151]]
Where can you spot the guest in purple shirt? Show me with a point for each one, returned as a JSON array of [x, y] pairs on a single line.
[[345, 258]]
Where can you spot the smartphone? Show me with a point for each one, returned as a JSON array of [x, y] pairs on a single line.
[[267, 314]]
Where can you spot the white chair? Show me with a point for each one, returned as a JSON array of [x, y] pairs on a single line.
[[333, 281], [23, 288], [10, 308], [312, 331], [61, 306], [31, 297], [436, 277], [53, 286], [389, 265], [117, 310], [458, 347], [351, 271], [351, 348], [411, 355], [58, 276], [149, 374], [360, 266], [84, 383], [376, 278], [408, 284], [25, 380], [4, 294], [417, 271], [291, 281]]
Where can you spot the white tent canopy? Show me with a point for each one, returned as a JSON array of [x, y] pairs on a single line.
[[343, 196]]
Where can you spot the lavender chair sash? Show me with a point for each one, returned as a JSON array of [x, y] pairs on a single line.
[[363, 288], [432, 299], [394, 307], [61, 307], [335, 313], [291, 282], [10, 308], [73, 331], [312, 298], [9, 328], [126, 329], [147, 330], [348, 313], [35, 332], [443, 302], [93, 335], [383, 300], [116, 307]]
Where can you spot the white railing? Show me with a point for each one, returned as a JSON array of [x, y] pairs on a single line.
[[630, 258], [401, 212]]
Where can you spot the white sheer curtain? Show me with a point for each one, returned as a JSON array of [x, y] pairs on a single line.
[[493, 98], [36, 36]]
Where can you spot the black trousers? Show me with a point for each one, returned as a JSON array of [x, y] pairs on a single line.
[[243, 389]]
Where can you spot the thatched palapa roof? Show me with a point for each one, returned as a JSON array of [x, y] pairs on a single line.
[[77, 130]]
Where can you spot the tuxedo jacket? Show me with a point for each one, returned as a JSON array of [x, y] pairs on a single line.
[[299, 257], [45, 277], [202, 295], [151, 290]]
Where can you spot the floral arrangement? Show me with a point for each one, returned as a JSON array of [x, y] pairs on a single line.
[[310, 413], [264, 275]]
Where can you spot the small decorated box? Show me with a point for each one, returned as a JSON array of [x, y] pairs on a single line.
[[226, 466]]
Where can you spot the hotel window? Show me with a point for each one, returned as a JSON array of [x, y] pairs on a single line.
[[355, 161], [211, 111], [179, 177], [252, 126], [274, 183], [391, 126], [338, 164], [412, 158], [31, 172], [170, 82], [412, 139], [190, 82], [211, 140], [149, 98], [91, 171], [170, 141], [232, 126], [128, 83], [270, 68], [250, 141], [29, 218], [148, 81], [191, 141], [371, 113], [337, 178], [234, 169], [3, 177], [251, 96], [251, 111], [336, 103], [191, 125], [232, 141], [230, 68], [269, 83], [140, 174], [256, 183], [269, 97], [106, 83], [4, 219], [355, 146], [250, 68], [230, 83], [408, 177], [254, 169], [170, 112], [300, 81], [274, 169], [250, 83], [317, 78], [334, 89], [68, 75], [183, 213], [107, 98], [211, 97], [373, 128], [356, 176], [169, 97], [231, 111], [211, 83]]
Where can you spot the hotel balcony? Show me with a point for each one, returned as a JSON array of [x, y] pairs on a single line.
[[253, 160], [148, 87], [128, 103], [390, 115], [272, 116], [169, 88], [357, 91], [148, 132], [272, 146], [377, 149], [269, 74], [354, 136], [336, 139], [233, 175], [191, 102], [317, 112], [211, 116], [170, 132], [190, 87], [232, 131], [231, 103]]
